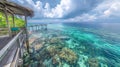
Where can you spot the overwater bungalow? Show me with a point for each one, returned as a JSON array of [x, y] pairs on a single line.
[[12, 46]]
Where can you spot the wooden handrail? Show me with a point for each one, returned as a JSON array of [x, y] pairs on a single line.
[[19, 38], [3, 50], [15, 61]]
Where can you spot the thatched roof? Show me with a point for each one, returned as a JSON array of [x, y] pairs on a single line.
[[14, 8]]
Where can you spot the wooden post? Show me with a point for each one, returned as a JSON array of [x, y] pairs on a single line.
[[13, 20], [46, 27], [8, 24], [40, 26], [32, 28], [36, 27], [27, 38]]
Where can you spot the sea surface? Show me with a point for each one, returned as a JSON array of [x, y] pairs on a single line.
[[75, 45]]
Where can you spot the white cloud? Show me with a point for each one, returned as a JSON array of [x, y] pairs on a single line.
[[107, 13], [113, 10], [60, 10], [30, 2], [38, 6], [105, 10], [108, 8], [83, 18], [47, 6]]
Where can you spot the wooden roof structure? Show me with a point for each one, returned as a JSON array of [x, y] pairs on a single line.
[[8, 7], [14, 8]]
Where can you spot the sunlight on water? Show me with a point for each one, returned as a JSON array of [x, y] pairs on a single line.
[[55, 26]]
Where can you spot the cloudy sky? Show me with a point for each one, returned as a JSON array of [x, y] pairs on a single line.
[[73, 10]]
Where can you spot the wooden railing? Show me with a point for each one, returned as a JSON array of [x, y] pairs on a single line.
[[3, 31], [16, 47]]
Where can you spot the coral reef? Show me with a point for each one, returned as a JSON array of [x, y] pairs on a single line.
[[68, 55], [52, 50], [56, 60], [62, 53], [71, 49]]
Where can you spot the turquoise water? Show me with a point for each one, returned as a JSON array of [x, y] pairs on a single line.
[[71, 46]]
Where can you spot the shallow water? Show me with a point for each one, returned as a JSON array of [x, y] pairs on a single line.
[[65, 45]]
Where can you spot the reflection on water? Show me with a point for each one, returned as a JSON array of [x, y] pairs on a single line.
[[66, 46]]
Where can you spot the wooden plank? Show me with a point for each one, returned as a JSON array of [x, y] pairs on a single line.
[[11, 57], [8, 58], [3, 41], [15, 61]]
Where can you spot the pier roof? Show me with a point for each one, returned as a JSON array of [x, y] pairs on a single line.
[[14, 8], [8, 7]]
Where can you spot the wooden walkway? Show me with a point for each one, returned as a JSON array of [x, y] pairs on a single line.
[[4, 41], [6, 61], [11, 50]]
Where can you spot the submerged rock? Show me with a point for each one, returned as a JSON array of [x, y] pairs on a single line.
[[34, 64], [65, 65], [56, 60], [31, 50], [38, 46], [55, 40], [93, 62], [52, 50]]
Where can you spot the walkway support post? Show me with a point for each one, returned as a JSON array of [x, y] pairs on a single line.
[[27, 38], [13, 18], [8, 24]]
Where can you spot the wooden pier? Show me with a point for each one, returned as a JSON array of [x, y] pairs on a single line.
[[11, 49], [37, 27]]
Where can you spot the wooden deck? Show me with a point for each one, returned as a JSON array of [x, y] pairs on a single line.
[[6, 61], [4, 41]]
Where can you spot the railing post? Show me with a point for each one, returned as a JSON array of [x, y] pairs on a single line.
[[7, 22]]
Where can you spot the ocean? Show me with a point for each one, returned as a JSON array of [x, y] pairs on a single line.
[[75, 45]]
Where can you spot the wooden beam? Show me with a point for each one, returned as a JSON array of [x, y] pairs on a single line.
[[27, 38]]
